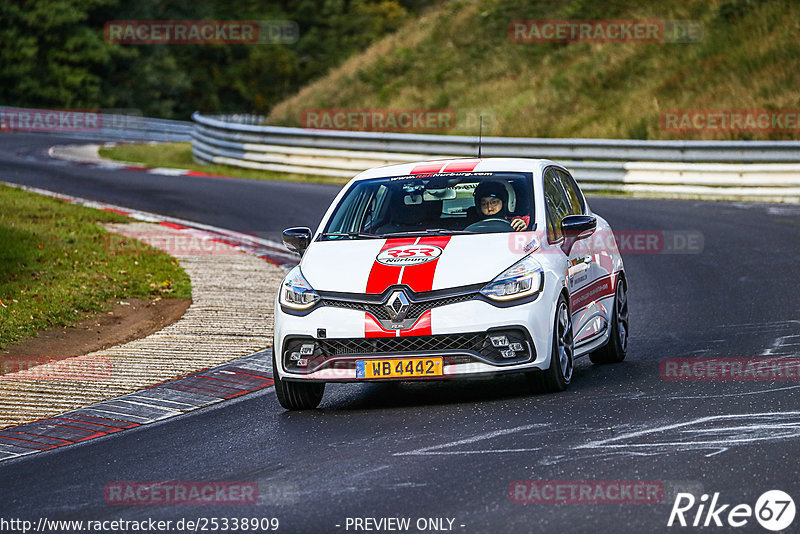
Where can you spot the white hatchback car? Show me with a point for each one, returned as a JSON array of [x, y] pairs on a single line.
[[452, 268]]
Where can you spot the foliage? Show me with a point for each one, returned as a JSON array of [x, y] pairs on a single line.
[[55, 54]]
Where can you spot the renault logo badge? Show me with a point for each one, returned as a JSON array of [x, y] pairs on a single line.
[[397, 306]]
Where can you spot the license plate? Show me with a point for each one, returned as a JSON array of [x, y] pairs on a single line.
[[403, 368]]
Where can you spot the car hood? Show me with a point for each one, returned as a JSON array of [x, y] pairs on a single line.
[[422, 263]]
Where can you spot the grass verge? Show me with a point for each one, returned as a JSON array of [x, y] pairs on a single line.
[[179, 156], [56, 269], [459, 55]]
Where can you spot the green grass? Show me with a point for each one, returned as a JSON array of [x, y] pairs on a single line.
[[459, 55], [56, 267], [179, 156]]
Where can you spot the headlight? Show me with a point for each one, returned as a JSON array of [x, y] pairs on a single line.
[[524, 278], [296, 292]]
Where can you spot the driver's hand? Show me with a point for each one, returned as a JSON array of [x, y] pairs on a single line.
[[518, 224]]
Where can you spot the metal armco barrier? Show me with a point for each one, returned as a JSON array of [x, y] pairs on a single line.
[[106, 127], [766, 170]]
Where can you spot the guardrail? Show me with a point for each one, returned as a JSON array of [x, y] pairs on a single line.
[[95, 125], [767, 170], [132, 127]]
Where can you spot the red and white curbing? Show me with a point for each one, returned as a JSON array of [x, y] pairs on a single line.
[[87, 154], [265, 249]]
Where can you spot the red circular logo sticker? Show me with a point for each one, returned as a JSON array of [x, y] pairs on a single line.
[[409, 255]]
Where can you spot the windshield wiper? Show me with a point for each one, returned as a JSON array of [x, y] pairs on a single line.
[[350, 234], [430, 231]]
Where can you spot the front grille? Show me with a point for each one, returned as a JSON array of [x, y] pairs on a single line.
[[452, 342], [460, 348], [415, 310]]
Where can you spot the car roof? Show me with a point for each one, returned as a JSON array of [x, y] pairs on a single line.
[[455, 165]]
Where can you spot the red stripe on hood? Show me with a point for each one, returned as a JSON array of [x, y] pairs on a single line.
[[382, 276], [417, 277], [420, 277]]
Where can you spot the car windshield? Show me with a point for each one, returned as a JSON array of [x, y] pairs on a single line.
[[441, 203]]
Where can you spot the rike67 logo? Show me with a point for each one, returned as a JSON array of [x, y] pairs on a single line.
[[774, 510]]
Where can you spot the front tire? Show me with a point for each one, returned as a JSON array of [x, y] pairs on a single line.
[[296, 395], [617, 347], [559, 375]]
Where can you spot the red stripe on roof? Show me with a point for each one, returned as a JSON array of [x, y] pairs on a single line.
[[461, 166], [426, 168]]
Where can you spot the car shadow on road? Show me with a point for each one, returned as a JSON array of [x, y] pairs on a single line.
[[378, 396]]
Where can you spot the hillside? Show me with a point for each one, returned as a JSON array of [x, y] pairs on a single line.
[[459, 56]]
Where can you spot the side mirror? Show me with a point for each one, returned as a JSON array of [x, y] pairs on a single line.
[[297, 239], [575, 227]]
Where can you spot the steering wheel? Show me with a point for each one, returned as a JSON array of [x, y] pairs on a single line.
[[492, 224]]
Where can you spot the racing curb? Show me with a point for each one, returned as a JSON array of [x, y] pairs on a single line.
[[87, 154], [155, 403], [167, 399]]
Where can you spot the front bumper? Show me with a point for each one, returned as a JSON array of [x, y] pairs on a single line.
[[460, 335]]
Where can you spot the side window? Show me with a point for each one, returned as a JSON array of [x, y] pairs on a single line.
[[558, 206], [571, 189]]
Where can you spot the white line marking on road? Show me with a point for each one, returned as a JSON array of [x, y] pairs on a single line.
[[774, 426], [480, 437], [714, 396]]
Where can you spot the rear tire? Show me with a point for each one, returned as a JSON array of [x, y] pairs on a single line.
[[296, 395], [617, 347], [559, 375]]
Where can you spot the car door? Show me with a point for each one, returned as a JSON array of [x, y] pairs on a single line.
[[558, 206], [564, 198], [592, 276]]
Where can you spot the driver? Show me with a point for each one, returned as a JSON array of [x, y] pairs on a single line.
[[491, 201]]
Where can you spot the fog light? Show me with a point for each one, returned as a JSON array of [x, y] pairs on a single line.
[[307, 349], [508, 353], [499, 341], [516, 347], [294, 356], [302, 362]]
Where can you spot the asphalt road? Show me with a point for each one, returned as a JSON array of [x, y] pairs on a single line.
[[452, 450]]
